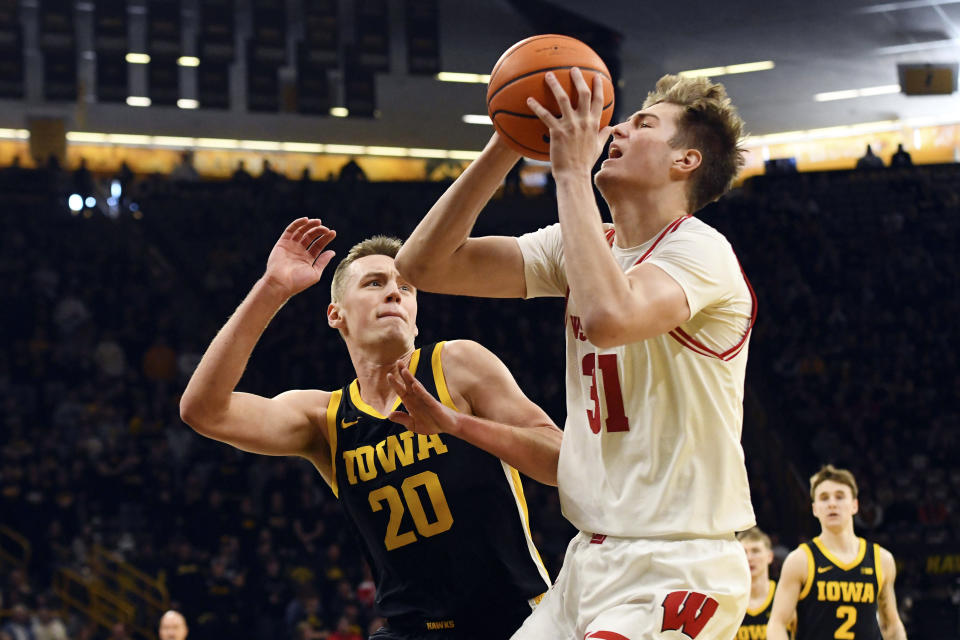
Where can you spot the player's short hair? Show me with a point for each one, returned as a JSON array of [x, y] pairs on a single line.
[[830, 472], [755, 534], [710, 123], [373, 246]]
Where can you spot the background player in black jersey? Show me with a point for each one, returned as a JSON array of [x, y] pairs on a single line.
[[838, 585], [756, 544], [444, 530]]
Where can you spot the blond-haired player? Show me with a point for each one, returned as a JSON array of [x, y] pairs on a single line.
[[658, 318], [756, 544], [443, 524], [838, 585]]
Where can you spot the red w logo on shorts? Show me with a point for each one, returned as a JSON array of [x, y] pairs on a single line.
[[687, 612]]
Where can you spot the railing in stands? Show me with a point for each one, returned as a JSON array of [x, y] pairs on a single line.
[[146, 594], [91, 598], [15, 550]]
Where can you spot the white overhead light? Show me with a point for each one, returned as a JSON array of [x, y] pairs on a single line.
[[745, 67], [125, 139], [428, 153], [14, 134], [138, 58], [138, 101], [188, 103], [918, 46], [846, 94], [346, 149], [188, 61], [172, 141], [339, 112], [451, 76], [476, 118], [398, 152], [302, 147]]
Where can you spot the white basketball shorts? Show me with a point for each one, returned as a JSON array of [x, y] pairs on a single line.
[[638, 589]]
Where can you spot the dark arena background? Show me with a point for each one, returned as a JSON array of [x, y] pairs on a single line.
[[152, 151]]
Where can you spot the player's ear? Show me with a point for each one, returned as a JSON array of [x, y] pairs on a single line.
[[687, 161], [334, 317], [856, 505]]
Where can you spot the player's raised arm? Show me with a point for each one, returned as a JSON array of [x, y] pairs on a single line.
[[891, 627], [272, 426], [791, 583], [495, 415], [440, 255]]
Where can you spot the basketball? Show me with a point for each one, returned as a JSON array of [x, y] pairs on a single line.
[[519, 74]]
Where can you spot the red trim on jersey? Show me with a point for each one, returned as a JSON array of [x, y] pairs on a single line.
[[598, 538], [605, 635], [682, 336]]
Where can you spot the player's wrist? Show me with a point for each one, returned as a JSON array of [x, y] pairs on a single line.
[[274, 289]]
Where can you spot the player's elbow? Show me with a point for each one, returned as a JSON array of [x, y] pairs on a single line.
[[604, 328], [415, 269], [197, 414]]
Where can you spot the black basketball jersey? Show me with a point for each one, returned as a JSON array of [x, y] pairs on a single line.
[[754, 625], [840, 600], [443, 524]]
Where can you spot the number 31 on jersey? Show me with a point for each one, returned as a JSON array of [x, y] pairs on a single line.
[[606, 363]]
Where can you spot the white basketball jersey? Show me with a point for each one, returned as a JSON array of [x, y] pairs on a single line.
[[651, 444]]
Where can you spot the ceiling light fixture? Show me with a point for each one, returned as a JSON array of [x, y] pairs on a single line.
[[451, 76], [746, 67], [476, 118], [846, 94]]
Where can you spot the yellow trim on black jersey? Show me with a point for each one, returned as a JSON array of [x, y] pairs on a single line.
[[332, 407], [366, 408], [832, 558], [809, 585], [518, 495], [878, 567], [442, 392], [766, 603]]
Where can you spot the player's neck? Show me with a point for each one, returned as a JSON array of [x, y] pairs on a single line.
[[643, 214], [371, 368], [760, 587], [841, 539]]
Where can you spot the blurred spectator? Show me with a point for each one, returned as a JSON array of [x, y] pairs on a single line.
[[18, 626], [241, 174], [869, 160], [173, 626], [46, 624], [351, 172], [901, 158], [185, 171], [346, 631]]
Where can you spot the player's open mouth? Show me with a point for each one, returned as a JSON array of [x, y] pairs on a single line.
[[614, 153]]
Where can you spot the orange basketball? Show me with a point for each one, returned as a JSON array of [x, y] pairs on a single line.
[[519, 74]]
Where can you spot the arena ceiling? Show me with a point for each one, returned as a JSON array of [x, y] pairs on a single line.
[[816, 46]]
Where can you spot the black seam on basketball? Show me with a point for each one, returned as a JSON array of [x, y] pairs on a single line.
[[520, 144], [530, 73], [531, 39], [494, 115]]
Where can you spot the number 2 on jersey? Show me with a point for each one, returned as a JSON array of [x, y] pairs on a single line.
[[613, 396], [843, 631]]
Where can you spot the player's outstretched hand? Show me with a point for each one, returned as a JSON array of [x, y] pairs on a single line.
[[424, 413], [298, 258], [576, 138]]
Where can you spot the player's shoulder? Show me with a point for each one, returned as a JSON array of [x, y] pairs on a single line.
[[464, 353], [693, 227], [796, 561], [306, 399]]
